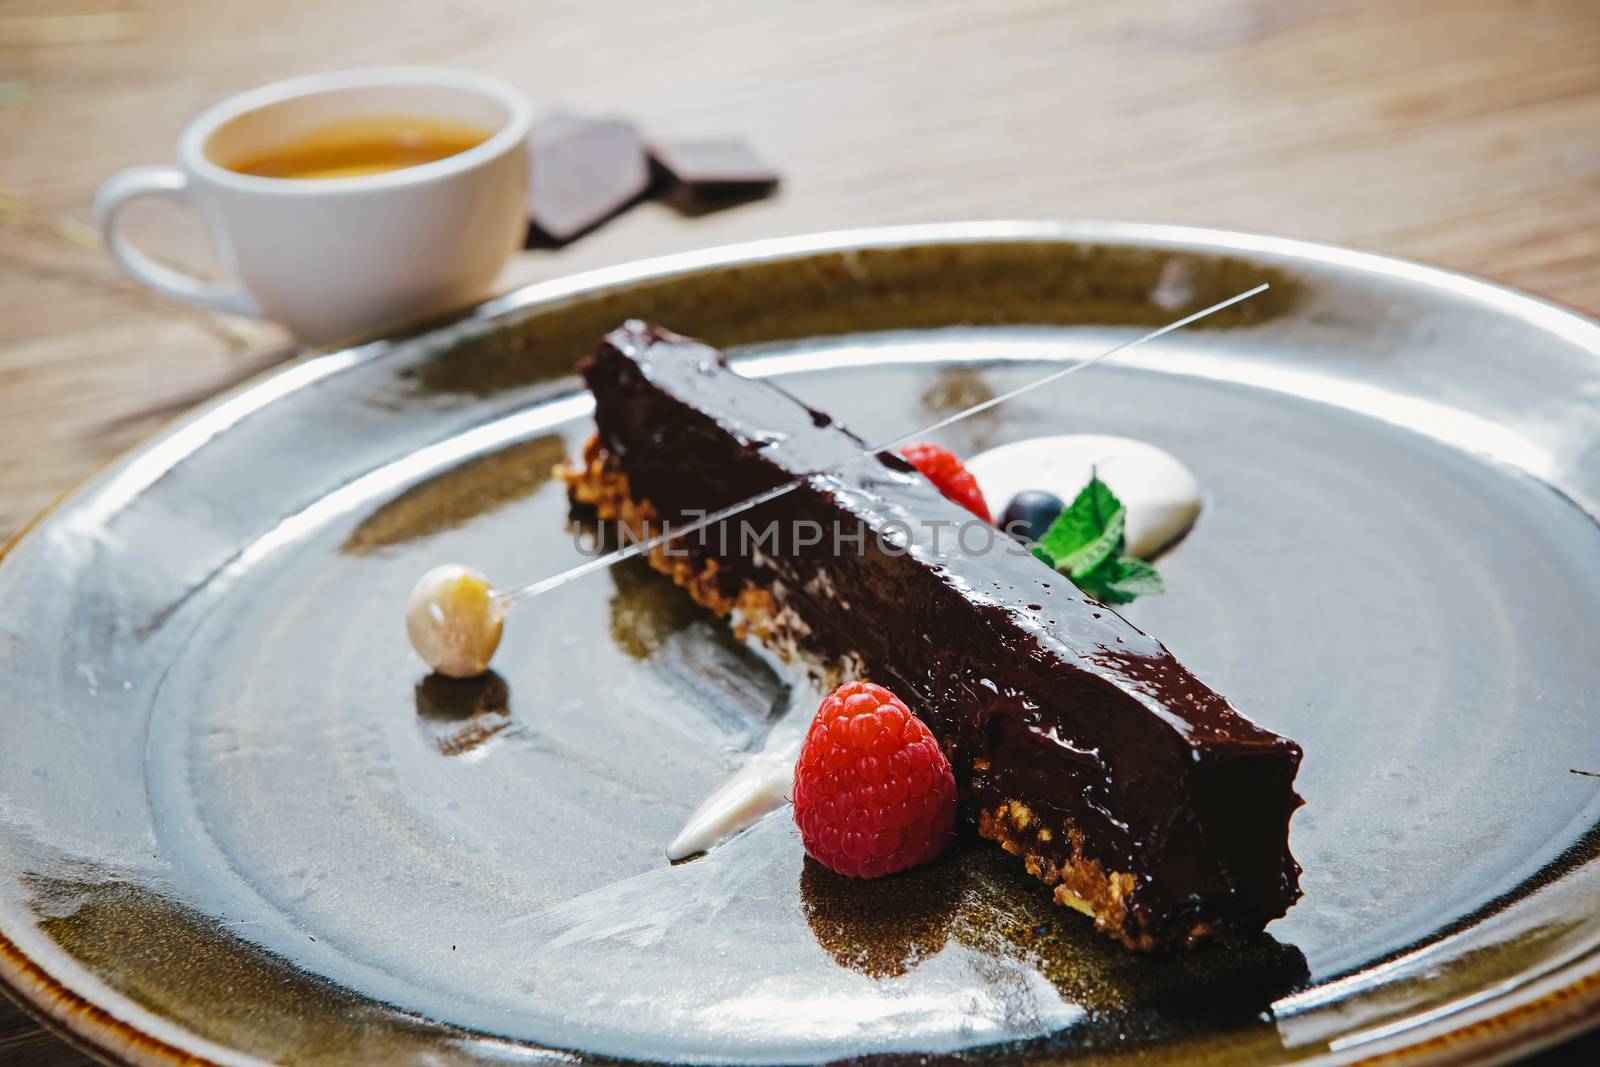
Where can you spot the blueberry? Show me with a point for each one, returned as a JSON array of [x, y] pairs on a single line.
[[1032, 512]]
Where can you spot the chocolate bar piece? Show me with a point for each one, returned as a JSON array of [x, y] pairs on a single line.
[[712, 171], [582, 172], [1079, 743]]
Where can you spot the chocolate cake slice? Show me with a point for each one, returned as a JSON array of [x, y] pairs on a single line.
[[1078, 742]]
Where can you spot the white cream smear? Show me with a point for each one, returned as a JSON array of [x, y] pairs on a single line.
[[1163, 501], [762, 785], [765, 781]]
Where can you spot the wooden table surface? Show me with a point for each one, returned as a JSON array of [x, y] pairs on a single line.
[[1464, 133]]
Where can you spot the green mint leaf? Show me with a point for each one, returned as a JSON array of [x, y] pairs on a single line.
[[1099, 583], [1138, 578], [1081, 523], [1086, 544], [1108, 545], [1121, 580]]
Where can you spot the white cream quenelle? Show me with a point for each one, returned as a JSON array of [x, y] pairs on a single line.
[[1160, 493]]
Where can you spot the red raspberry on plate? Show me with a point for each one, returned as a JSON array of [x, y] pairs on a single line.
[[943, 468], [872, 792]]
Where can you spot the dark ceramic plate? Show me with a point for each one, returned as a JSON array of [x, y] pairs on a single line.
[[237, 823]]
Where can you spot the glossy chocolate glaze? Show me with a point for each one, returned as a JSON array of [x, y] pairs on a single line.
[[1038, 693]]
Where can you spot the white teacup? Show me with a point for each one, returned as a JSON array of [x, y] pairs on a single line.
[[333, 258]]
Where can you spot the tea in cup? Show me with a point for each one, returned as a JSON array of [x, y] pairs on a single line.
[[344, 203]]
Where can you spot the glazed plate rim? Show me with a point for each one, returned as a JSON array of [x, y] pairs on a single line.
[[1490, 1025]]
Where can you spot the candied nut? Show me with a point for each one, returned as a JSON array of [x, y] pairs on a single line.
[[454, 620]]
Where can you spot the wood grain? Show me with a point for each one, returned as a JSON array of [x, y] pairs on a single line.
[[1460, 132]]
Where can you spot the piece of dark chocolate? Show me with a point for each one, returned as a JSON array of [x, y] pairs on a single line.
[[713, 171], [581, 173]]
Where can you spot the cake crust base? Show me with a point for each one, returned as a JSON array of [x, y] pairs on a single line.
[[596, 480]]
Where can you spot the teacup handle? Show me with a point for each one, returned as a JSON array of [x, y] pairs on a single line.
[[170, 182]]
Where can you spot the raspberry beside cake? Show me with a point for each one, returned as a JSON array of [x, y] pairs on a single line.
[[1078, 742]]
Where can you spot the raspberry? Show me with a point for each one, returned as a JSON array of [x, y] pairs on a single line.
[[942, 467], [872, 792]]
